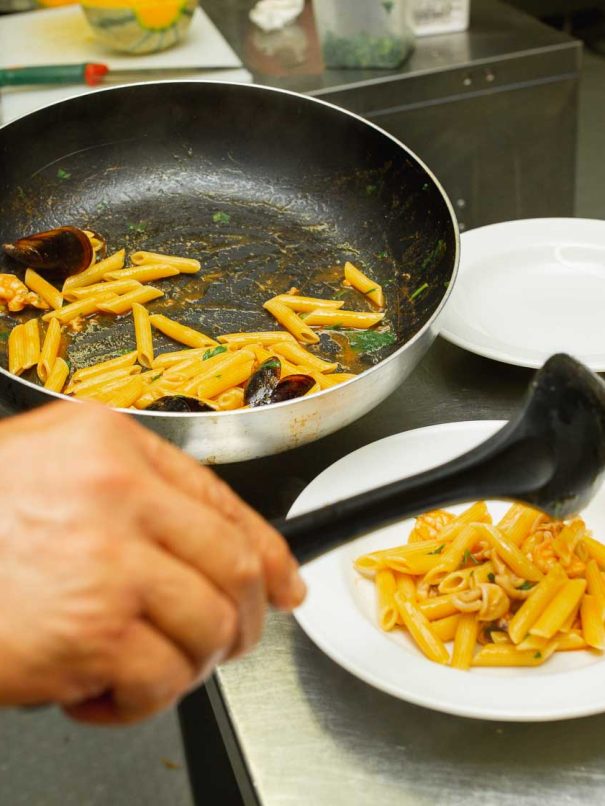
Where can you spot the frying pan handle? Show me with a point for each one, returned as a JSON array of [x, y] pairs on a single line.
[[498, 468]]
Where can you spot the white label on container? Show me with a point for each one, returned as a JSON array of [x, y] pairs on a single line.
[[432, 16]]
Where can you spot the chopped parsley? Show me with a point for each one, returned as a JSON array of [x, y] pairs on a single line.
[[369, 341], [434, 255], [63, 174], [467, 557], [388, 5], [537, 655], [438, 550], [371, 189], [491, 577], [526, 586], [418, 292], [140, 227], [221, 218], [382, 255], [4, 336], [214, 351]]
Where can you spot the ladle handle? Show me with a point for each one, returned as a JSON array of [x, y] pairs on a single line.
[[498, 468]]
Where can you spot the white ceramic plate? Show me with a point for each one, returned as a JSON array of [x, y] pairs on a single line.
[[339, 614], [528, 289]]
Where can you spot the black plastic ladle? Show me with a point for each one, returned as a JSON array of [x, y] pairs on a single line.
[[551, 456]]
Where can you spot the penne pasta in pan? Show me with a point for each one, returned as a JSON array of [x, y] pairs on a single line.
[[233, 371]]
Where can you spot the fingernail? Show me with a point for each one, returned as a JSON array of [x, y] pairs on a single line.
[[297, 586]]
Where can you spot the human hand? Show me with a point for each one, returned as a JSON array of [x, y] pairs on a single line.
[[127, 571]]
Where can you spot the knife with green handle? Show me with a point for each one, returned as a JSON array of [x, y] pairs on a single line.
[[93, 74]]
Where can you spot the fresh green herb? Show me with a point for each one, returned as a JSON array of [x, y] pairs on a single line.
[[221, 218], [434, 255], [369, 341], [438, 550], [418, 292], [526, 586], [63, 174], [491, 577], [21, 193], [4, 336], [123, 352], [140, 227], [537, 655], [446, 284], [388, 6], [371, 189], [364, 50], [370, 290], [69, 364], [382, 255], [342, 293], [214, 351], [467, 557]]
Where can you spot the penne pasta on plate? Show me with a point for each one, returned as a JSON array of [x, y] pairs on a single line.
[[507, 594]]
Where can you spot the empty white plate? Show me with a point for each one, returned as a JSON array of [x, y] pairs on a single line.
[[528, 289], [339, 614]]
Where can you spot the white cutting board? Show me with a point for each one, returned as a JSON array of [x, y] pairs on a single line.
[[62, 36]]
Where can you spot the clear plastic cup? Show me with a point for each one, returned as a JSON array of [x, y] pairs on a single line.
[[363, 33]]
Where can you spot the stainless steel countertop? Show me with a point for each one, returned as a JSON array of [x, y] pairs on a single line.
[[311, 733], [501, 47]]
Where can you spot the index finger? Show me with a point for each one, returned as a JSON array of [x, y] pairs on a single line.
[[285, 587]]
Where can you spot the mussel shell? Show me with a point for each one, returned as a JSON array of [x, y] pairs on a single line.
[[178, 403], [262, 383], [291, 387], [67, 250]]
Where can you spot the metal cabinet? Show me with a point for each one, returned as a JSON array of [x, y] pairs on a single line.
[[499, 155]]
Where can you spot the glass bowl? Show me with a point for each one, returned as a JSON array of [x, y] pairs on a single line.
[[139, 26]]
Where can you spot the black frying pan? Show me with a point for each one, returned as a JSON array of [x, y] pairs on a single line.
[[267, 189]]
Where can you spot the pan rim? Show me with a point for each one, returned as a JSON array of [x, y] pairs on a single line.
[[251, 412]]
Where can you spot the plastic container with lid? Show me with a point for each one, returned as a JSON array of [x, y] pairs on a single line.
[[363, 33], [429, 17]]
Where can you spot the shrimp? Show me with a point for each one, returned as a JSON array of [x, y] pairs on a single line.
[[17, 295]]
